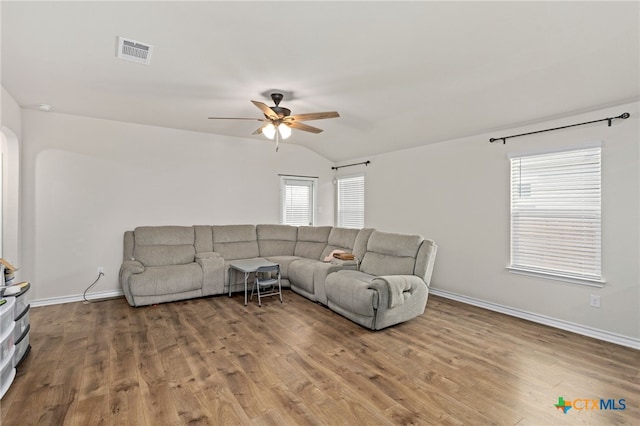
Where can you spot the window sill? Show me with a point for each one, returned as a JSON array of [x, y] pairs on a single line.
[[557, 277]]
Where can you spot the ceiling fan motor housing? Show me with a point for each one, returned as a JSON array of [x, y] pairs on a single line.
[[280, 111], [277, 98]]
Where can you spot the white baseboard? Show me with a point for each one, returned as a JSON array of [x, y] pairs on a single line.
[[607, 336], [77, 298]]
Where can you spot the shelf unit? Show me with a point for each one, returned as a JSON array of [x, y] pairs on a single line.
[[14, 335], [7, 346], [23, 326]]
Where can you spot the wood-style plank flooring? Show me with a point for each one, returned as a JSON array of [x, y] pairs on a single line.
[[214, 361]]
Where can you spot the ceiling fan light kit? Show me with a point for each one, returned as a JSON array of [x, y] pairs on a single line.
[[285, 131], [279, 120], [269, 131]]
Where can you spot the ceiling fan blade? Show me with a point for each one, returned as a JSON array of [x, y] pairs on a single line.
[[266, 110], [305, 127], [313, 116], [258, 131], [237, 118]]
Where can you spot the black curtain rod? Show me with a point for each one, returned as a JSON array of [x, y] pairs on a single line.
[[299, 176], [609, 120], [366, 163]]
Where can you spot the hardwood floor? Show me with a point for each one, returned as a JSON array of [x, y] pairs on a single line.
[[214, 361]]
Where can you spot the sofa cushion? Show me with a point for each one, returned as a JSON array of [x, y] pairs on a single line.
[[235, 241], [312, 241], [360, 245], [301, 273], [284, 262], [159, 255], [343, 237], [340, 239], [167, 280], [166, 235], [203, 238], [164, 245], [276, 240], [391, 254]]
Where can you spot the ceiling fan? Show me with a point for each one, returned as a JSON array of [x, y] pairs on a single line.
[[279, 121]]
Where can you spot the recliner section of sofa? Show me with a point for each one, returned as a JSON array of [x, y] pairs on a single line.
[[160, 265], [168, 263], [392, 284]]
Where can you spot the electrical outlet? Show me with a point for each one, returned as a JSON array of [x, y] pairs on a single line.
[[100, 270], [595, 301]]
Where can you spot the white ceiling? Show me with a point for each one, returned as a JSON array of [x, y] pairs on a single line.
[[400, 74]]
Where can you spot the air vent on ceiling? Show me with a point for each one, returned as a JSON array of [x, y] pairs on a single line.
[[134, 51]]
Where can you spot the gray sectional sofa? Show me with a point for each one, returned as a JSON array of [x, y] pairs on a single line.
[[387, 283]]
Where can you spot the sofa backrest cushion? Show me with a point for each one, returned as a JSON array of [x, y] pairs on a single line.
[[164, 245], [235, 241], [203, 239], [340, 239], [391, 254], [276, 240], [312, 241], [360, 245]]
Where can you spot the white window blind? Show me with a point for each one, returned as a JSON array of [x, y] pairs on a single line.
[[556, 214], [351, 201], [297, 201]]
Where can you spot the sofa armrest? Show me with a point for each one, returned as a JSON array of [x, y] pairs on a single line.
[[345, 264], [393, 287], [212, 265], [128, 268]]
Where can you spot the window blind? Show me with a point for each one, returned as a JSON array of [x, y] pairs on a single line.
[[351, 201], [556, 214], [297, 202]]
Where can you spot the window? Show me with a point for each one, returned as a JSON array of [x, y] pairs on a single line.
[[555, 215], [297, 195], [351, 201]]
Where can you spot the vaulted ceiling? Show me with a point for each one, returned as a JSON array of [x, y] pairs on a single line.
[[401, 74]]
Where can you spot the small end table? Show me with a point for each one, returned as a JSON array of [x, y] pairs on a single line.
[[246, 266]]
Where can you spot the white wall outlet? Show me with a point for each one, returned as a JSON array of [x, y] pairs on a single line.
[[595, 301], [100, 270]]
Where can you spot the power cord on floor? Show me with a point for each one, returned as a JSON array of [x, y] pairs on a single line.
[[84, 295]]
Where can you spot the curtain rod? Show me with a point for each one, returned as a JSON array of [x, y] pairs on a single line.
[[609, 120], [366, 163], [299, 176]]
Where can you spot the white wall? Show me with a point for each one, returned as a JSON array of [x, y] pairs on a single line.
[[457, 193], [10, 113], [86, 181], [11, 129]]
